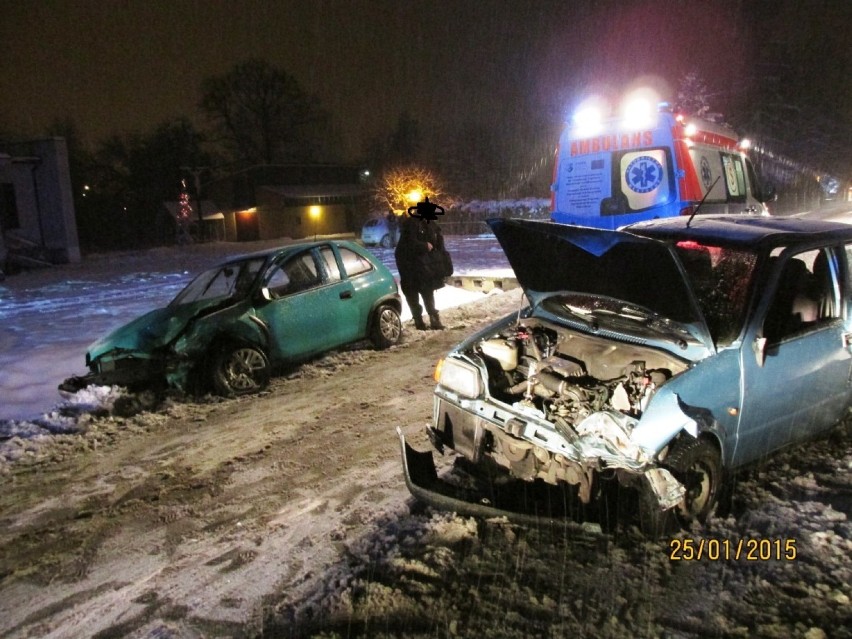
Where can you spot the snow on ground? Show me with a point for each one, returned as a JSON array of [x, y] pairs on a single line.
[[49, 318], [418, 574]]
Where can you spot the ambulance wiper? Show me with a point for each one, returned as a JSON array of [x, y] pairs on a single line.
[[689, 221]]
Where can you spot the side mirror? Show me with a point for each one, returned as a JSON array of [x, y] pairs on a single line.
[[759, 348], [768, 193]]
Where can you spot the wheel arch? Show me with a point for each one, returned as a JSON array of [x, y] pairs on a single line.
[[710, 432], [253, 333], [257, 335], [391, 300], [713, 432]]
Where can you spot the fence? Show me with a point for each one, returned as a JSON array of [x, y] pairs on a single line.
[[471, 219]]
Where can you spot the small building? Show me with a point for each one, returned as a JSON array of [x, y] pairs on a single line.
[[37, 221], [288, 201]]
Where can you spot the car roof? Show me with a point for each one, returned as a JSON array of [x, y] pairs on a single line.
[[751, 230], [286, 249]]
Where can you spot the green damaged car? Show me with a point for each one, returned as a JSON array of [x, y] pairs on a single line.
[[234, 323]]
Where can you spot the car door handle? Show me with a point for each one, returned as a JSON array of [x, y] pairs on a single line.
[[346, 295]]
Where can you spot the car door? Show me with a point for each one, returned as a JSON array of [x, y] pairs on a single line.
[[306, 307], [800, 383], [349, 319], [363, 279]]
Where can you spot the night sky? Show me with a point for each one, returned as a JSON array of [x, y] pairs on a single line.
[[126, 66]]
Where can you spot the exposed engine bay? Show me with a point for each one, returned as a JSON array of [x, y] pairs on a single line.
[[569, 376], [562, 405]]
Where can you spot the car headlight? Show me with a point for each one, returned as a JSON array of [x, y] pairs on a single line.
[[460, 377]]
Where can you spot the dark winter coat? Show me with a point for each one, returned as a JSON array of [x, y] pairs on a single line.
[[420, 268]]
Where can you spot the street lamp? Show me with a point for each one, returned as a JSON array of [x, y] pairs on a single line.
[[314, 211]]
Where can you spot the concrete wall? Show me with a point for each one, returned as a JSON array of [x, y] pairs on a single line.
[[56, 200], [39, 173]]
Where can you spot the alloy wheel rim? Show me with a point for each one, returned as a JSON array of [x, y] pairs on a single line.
[[390, 325], [244, 362]]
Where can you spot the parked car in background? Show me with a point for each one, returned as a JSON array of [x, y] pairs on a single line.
[[377, 231], [233, 323], [660, 357]]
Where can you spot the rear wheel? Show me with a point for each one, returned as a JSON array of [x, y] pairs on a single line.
[[387, 327], [697, 464], [240, 370]]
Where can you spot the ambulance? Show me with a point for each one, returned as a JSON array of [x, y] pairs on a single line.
[[651, 163]]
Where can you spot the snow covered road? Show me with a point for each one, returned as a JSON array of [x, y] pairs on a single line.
[[49, 318]]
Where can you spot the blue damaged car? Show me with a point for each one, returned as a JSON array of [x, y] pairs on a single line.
[[235, 322], [661, 356]]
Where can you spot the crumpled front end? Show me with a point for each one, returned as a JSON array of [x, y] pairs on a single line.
[[159, 348], [550, 404], [131, 369]]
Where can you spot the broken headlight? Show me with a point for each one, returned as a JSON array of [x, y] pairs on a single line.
[[459, 377]]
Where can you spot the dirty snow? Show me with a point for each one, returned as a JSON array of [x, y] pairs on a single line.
[[285, 515], [49, 318]]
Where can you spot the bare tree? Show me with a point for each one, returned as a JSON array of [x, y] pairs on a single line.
[[401, 187], [262, 114], [693, 94]]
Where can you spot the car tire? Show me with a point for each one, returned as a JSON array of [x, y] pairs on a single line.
[[386, 242], [653, 522], [697, 464], [387, 327], [240, 369]]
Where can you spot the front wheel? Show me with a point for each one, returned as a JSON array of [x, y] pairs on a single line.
[[697, 464], [387, 327], [386, 242], [240, 370]]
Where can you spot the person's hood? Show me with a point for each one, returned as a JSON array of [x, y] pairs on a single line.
[[550, 258]]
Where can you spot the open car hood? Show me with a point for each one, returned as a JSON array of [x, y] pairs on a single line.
[[550, 258]]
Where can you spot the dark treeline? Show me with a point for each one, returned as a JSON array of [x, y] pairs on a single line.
[[499, 148]]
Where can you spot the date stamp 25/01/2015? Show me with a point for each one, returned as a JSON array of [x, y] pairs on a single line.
[[748, 549]]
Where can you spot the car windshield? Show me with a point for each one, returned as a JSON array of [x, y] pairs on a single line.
[[232, 280], [721, 278], [597, 312]]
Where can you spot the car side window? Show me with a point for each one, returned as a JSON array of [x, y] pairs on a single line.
[[331, 267], [297, 274], [223, 284], [353, 263], [807, 295]]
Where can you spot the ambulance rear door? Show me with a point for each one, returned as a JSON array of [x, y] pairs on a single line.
[[618, 177]]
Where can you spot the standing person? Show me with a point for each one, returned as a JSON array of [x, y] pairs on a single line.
[[420, 261], [393, 226]]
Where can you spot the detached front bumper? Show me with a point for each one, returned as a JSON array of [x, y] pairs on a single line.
[[531, 449], [127, 371], [515, 501]]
